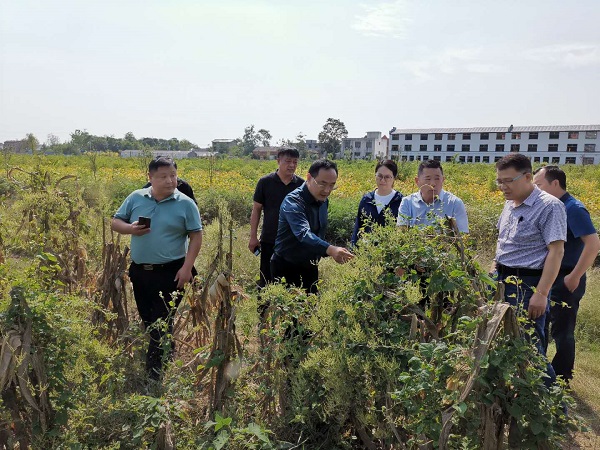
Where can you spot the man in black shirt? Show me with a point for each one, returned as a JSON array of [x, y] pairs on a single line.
[[268, 196]]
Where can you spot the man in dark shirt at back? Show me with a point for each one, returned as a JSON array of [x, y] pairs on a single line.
[[302, 223], [581, 249], [268, 195]]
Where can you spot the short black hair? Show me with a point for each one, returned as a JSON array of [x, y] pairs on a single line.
[[288, 151], [389, 164], [430, 164], [319, 164], [161, 161], [554, 173], [520, 163]]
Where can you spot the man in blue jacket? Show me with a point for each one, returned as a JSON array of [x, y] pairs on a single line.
[[302, 223]]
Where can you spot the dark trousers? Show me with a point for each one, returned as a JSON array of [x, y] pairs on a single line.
[[154, 291], [304, 276], [266, 251], [518, 295], [561, 325]]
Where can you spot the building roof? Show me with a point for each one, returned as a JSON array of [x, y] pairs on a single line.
[[515, 129]]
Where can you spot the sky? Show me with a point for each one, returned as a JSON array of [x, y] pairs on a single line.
[[203, 70]]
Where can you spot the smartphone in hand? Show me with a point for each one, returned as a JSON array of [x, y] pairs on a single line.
[[144, 221]]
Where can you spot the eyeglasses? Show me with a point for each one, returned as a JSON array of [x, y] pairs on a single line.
[[384, 177], [512, 180], [324, 186]]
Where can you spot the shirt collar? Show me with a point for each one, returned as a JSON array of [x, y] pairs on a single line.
[[439, 198], [148, 193], [529, 201], [565, 197], [308, 196]]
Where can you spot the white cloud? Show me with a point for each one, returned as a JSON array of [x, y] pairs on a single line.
[[451, 61], [384, 19], [569, 55]]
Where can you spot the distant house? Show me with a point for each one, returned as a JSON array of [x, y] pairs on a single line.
[[194, 153], [266, 152], [16, 146], [372, 146], [557, 144], [222, 145]]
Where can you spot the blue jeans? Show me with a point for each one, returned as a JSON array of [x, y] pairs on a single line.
[[561, 325], [518, 295]]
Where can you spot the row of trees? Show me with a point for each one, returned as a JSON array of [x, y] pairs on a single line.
[[330, 139]]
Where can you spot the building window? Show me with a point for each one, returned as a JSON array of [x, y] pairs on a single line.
[[469, 159], [572, 148], [418, 158], [589, 148], [424, 137], [499, 147], [532, 147], [552, 147], [356, 144], [554, 135], [533, 136], [437, 148], [451, 136], [587, 160], [465, 147], [536, 159], [408, 148], [395, 137], [515, 147], [516, 135], [461, 159], [448, 158], [591, 134], [556, 160], [570, 160], [573, 134], [437, 158], [466, 136], [425, 157], [483, 147], [450, 147], [403, 158], [500, 136], [394, 148], [438, 136], [484, 136], [486, 159], [408, 137], [369, 144], [356, 154], [497, 158], [411, 158], [478, 159], [545, 159], [423, 148]]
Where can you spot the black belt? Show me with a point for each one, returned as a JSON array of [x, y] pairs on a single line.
[[170, 265], [518, 271]]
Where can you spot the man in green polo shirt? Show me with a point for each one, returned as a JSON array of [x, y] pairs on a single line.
[[162, 259]]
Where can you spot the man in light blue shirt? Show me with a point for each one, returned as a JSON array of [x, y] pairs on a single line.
[[431, 203], [160, 219]]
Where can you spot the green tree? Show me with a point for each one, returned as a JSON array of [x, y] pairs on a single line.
[[264, 137], [31, 143], [80, 141], [331, 137], [250, 140]]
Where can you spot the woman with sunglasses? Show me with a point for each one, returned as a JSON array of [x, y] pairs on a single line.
[[379, 204]]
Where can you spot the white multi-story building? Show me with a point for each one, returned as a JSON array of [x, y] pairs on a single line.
[[372, 146], [569, 144]]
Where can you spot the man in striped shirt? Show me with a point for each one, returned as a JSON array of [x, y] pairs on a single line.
[[532, 231]]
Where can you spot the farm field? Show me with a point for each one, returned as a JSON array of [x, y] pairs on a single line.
[[55, 246]]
